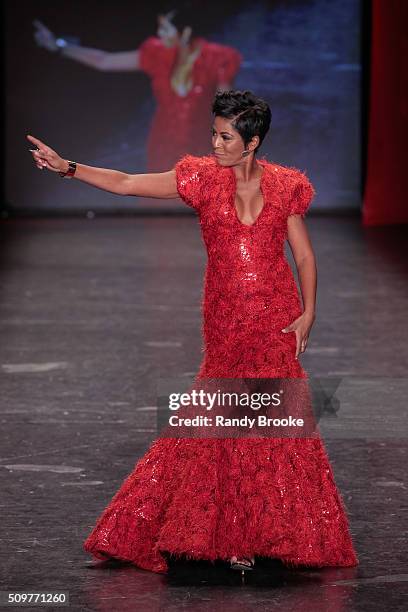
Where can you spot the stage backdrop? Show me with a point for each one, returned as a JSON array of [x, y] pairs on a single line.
[[303, 57]]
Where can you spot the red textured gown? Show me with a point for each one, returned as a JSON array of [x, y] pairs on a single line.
[[182, 124], [214, 498]]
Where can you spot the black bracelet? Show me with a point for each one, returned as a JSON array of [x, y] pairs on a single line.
[[70, 172], [61, 43]]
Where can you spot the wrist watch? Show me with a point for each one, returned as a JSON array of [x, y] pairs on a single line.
[[71, 170], [60, 43]]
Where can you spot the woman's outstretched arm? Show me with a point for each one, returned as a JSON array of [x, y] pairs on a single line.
[[105, 61], [126, 61], [154, 185]]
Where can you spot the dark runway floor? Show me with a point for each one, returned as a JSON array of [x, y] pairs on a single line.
[[93, 313]]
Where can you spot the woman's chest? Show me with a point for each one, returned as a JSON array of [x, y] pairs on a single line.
[[249, 202], [229, 207], [230, 236]]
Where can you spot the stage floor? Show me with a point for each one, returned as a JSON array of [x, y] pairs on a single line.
[[93, 312]]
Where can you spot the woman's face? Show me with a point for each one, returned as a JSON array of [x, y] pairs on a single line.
[[227, 142]]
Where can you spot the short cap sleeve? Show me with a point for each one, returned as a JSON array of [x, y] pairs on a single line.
[[190, 176], [150, 55], [302, 195]]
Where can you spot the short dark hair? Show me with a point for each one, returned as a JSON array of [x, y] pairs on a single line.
[[252, 114]]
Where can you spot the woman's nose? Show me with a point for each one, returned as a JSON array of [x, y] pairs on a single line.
[[216, 142]]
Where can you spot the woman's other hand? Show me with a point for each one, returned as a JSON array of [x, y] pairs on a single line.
[[301, 326], [45, 157], [166, 30]]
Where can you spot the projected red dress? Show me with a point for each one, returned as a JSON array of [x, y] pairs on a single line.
[[182, 124], [215, 498]]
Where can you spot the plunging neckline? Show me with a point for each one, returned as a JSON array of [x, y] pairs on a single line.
[[234, 193]]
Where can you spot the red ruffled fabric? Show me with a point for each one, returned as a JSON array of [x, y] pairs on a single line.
[[211, 499], [183, 123], [214, 498]]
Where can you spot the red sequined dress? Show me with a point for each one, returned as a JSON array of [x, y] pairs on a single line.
[[182, 124], [215, 498]]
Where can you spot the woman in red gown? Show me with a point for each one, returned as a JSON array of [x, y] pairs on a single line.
[[185, 72], [233, 498], [180, 122]]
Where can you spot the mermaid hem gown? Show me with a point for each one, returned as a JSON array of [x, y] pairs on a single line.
[[214, 498]]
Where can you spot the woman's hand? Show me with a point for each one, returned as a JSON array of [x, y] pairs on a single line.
[[45, 157], [44, 37], [154, 185], [301, 326], [166, 30]]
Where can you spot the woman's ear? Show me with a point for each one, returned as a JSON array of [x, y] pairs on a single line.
[[254, 143]]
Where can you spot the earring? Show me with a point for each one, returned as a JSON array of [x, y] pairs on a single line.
[[245, 153]]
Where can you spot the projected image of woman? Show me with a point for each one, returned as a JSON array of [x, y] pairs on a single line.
[[185, 72]]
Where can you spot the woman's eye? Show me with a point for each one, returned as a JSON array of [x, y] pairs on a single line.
[[224, 137]]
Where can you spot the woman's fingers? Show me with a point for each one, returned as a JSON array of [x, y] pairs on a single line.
[[185, 36], [40, 163], [40, 25], [37, 155], [166, 28], [43, 36], [301, 343], [301, 337], [42, 30], [42, 149], [45, 157], [35, 141], [40, 160], [297, 344]]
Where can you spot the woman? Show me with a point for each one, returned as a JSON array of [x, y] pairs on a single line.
[[232, 498], [185, 72]]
